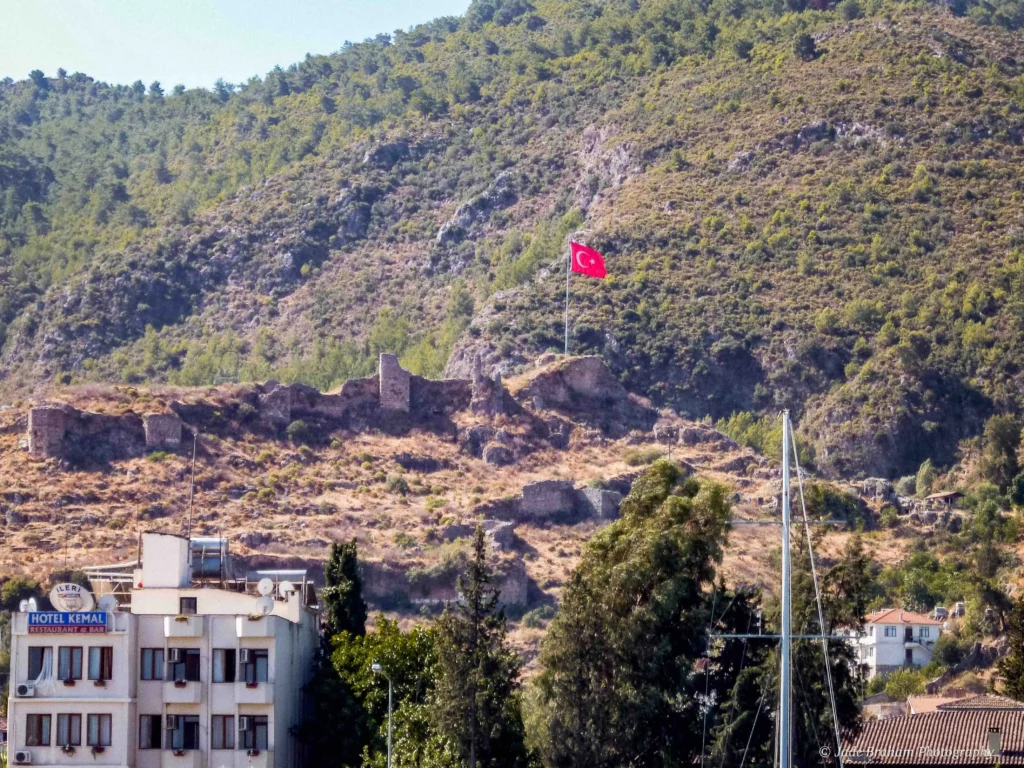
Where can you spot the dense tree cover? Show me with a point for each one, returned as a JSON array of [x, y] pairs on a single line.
[[618, 685], [342, 595]]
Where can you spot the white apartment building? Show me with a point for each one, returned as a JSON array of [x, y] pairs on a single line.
[[894, 638], [194, 676]]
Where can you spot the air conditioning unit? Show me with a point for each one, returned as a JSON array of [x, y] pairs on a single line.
[[175, 655], [171, 722], [245, 656], [243, 723], [25, 690], [22, 757]]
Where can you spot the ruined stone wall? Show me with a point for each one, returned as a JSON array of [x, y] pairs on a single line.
[[47, 425], [431, 397], [547, 498], [163, 430], [395, 383]]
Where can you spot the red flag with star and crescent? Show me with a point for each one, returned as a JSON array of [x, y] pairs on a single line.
[[587, 261]]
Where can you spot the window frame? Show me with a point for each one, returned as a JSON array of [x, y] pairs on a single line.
[[191, 664], [891, 632], [73, 724], [188, 606], [156, 729], [72, 651], [925, 632], [148, 670], [260, 726], [41, 650], [250, 673], [228, 671], [222, 732], [34, 737], [100, 719], [105, 662], [185, 725]]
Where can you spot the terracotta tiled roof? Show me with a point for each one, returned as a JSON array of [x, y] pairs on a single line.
[[955, 737], [921, 704], [988, 702], [899, 616]]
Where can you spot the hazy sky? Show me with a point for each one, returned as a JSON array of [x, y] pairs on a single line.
[[191, 41]]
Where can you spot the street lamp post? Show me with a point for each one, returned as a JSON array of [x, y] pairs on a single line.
[[379, 670]]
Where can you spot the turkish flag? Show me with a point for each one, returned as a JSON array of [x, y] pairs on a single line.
[[587, 261]]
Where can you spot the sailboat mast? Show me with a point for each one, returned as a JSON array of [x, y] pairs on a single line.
[[785, 752]]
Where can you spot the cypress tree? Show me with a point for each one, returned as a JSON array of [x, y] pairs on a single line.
[[475, 706], [342, 595], [1011, 667]]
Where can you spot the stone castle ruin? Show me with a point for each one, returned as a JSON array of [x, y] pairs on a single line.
[[393, 400]]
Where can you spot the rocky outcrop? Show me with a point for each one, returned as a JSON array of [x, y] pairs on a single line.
[[388, 585], [501, 194]]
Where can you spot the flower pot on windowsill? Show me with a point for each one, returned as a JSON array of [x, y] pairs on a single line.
[[69, 683], [252, 685], [67, 749], [255, 617], [181, 617], [179, 753], [100, 683], [180, 683], [253, 752], [98, 750]]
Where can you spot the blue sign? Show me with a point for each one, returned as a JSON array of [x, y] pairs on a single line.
[[54, 623]]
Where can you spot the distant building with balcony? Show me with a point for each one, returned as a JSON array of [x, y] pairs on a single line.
[[197, 673], [894, 639]]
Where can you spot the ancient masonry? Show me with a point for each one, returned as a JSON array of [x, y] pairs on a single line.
[[46, 427], [394, 384], [163, 430]]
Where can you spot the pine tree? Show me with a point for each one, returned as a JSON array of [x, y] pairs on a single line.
[[475, 705], [1011, 667], [617, 686], [342, 595]]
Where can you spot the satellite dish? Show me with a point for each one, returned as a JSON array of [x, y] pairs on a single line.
[[265, 587], [285, 588], [107, 604], [33, 606], [265, 605], [23, 606]]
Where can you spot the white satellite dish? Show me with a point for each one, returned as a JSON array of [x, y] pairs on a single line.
[[265, 605], [23, 606], [33, 606], [265, 587], [285, 588], [107, 603]]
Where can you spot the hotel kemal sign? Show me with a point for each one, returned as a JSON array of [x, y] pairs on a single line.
[[82, 623]]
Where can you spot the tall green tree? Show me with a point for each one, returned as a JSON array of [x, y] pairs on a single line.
[[342, 595], [999, 455], [475, 706], [1011, 667], [618, 685]]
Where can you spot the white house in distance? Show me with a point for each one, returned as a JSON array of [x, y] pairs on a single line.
[[201, 672], [894, 638]]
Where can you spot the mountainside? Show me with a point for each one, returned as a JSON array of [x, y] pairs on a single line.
[[815, 208]]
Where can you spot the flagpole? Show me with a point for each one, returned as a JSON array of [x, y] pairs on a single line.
[[568, 269]]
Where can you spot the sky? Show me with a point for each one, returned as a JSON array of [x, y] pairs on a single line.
[[192, 42]]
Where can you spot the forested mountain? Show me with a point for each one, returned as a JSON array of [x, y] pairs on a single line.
[[807, 206]]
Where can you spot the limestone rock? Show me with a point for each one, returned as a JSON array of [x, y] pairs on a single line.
[[500, 534], [498, 455], [600, 503], [256, 539]]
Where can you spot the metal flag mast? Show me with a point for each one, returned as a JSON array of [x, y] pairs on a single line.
[[785, 731], [568, 271]]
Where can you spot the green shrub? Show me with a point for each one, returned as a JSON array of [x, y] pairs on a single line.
[[298, 431], [158, 456], [638, 457], [397, 484], [538, 617], [889, 517], [903, 683]]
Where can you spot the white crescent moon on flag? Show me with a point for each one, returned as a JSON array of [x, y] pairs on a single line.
[[579, 260]]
